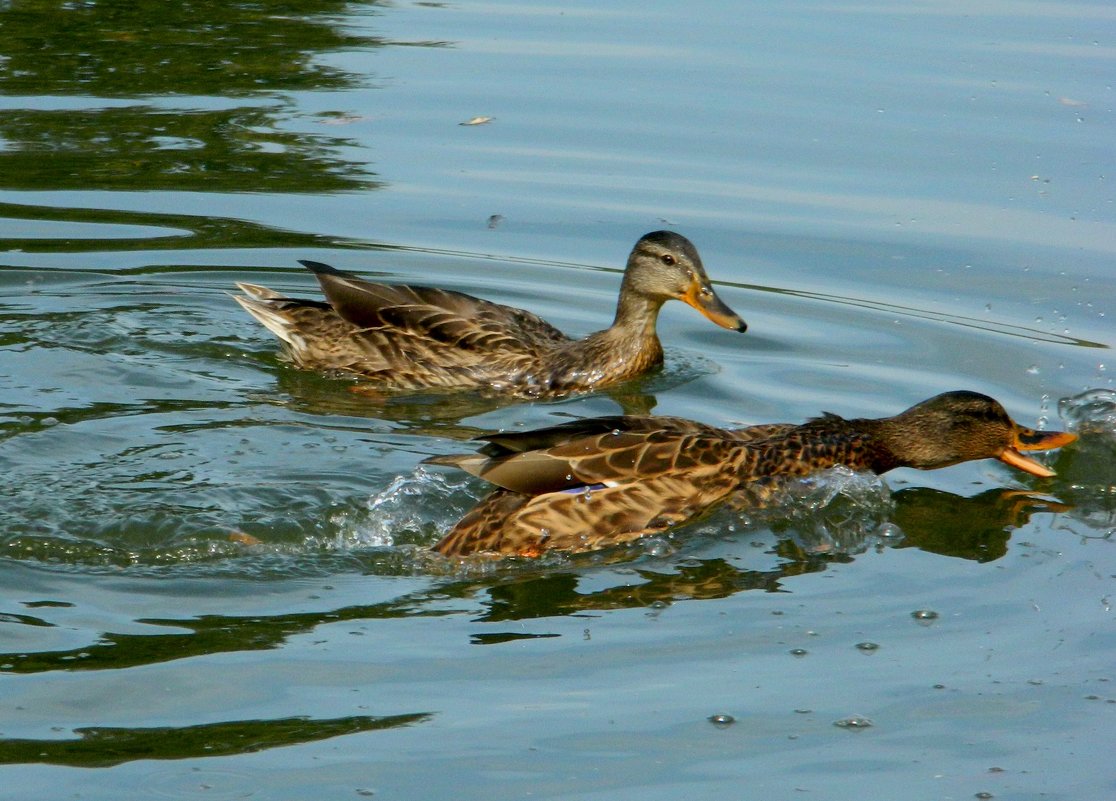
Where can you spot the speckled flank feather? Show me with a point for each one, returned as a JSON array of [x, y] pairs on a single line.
[[588, 484], [402, 337]]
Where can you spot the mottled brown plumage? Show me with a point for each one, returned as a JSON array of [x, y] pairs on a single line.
[[588, 484], [412, 337]]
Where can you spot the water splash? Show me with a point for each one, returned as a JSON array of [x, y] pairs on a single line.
[[1088, 466], [414, 509], [836, 510], [1091, 411]]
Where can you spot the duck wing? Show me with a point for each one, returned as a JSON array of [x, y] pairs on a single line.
[[599, 452], [441, 316], [502, 443]]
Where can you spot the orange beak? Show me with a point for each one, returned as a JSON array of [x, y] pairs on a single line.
[[705, 300], [1027, 439]]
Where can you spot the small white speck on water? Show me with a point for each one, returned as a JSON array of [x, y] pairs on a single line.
[[722, 721]]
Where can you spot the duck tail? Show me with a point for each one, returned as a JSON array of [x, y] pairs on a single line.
[[262, 307]]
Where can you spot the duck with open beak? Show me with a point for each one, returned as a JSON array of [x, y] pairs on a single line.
[[598, 482]]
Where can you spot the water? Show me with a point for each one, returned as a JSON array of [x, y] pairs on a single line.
[[214, 578]]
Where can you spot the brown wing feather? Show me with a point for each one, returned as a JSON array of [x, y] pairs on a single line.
[[505, 442], [458, 320], [658, 445], [531, 473], [511, 523]]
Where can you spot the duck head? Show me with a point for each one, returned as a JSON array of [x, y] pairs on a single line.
[[664, 265], [961, 426]]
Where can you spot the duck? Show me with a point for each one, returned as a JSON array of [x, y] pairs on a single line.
[[593, 483], [400, 337]]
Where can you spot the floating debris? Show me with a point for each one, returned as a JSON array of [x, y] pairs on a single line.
[[477, 121], [722, 721], [854, 722]]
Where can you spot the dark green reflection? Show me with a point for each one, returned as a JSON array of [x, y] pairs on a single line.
[[436, 414], [229, 63], [214, 634], [149, 47], [102, 747], [557, 594], [513, 597], [199, 232], [139, 147], [976, 528]]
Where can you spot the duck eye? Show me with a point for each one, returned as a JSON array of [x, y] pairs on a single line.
[[668, 260]]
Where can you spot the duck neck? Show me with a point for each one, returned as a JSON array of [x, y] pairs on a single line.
[[636, 314], [861, 444], [884, 440], [630, 345]]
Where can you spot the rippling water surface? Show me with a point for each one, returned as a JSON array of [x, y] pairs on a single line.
[[214, 575]]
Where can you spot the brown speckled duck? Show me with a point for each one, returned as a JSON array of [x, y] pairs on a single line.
[[593, 483], [414, 337]]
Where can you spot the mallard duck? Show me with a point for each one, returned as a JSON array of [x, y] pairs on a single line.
[[589, 484], [414, 337]]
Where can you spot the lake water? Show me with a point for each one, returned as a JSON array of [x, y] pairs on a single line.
[[901, 199]]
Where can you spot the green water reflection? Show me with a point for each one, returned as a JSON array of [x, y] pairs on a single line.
[[192, 231], [153, 48], [179, 64], [980, 528], [105, 746], [147, 148]]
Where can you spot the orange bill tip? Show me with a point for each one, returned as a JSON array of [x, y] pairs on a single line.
[[714, 308], [1026, 464], [1027, 439]]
